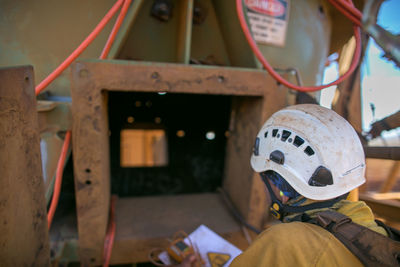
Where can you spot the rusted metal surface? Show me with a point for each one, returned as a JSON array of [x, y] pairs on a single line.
[[245, 124], [242, 184], [260, 201], [23, 227], [126, 76], [90, 82], [146, 223]]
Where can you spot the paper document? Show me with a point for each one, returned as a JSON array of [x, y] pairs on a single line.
[[213, 249]]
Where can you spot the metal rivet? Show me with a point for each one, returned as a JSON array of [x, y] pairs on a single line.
[[83, 73]]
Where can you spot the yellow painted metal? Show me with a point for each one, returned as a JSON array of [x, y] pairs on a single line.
[[27, 37], [307, 41], [208, 45], [43, 33], [185, 31], [125, 28]]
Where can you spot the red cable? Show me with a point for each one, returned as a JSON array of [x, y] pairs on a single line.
[[58, 181], [348, 5], [267, 66], [80, 48], [110, 235], [62, 67], [346, 13], [109, 240], [115, 29]]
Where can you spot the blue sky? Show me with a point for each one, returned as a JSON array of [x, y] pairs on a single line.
[[380, 78]]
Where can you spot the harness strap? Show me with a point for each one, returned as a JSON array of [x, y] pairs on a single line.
[[392, 232], [370, 247], [280, 210]]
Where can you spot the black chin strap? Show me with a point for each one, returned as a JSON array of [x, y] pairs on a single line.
[[280, 210]]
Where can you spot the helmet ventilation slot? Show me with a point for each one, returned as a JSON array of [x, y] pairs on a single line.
[[309, 151], [298, 141], [285, 135]]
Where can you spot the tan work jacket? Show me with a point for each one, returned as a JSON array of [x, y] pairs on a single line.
[[304, 244]]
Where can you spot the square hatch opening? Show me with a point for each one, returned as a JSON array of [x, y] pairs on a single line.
[[164, 144]]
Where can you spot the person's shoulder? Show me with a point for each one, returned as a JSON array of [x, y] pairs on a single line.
[[288, 244], [292, 227], [303, 233]]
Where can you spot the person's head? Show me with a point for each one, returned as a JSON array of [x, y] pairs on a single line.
[[311, 151]]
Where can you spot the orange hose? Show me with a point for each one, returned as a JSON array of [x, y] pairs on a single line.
[[109, 240], [115, 29], [280, 79], [58, 181], [43, 84]]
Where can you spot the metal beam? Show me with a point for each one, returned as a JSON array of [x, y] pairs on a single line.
[[91, 80], [388, 209], [384, 152]]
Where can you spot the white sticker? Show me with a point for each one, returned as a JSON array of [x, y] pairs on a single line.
[[268, 20]]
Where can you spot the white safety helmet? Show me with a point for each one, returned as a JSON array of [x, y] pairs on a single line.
[[313, 148]]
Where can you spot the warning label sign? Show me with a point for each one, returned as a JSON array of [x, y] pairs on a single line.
[[218, 259], [268, 20]]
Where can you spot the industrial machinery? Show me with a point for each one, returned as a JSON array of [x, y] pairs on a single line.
[[164, 118]]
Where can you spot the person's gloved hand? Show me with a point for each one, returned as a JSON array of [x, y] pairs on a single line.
[[189, 261], [377, 128]]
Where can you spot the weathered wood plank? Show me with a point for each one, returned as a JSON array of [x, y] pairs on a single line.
[[23, 222]]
